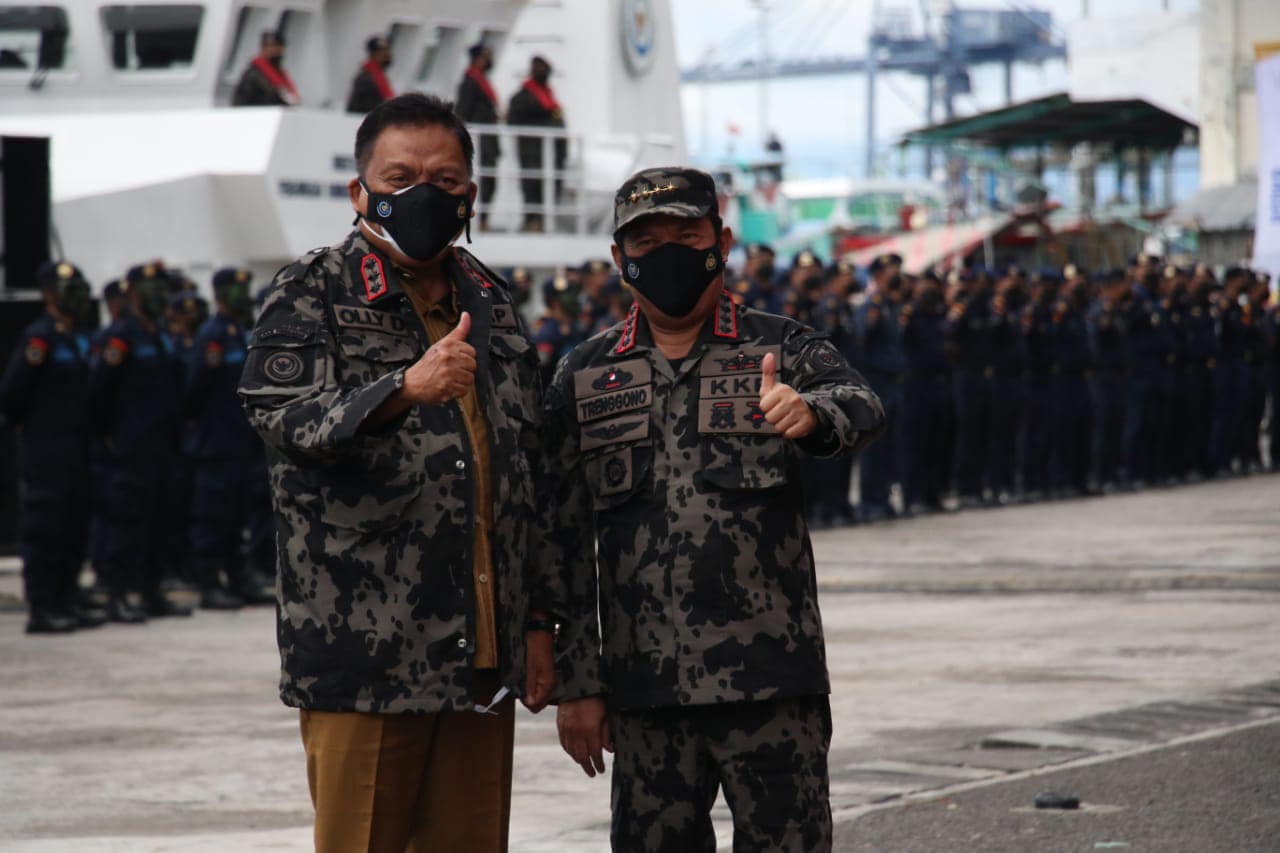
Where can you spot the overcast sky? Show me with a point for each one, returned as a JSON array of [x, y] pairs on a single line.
[[822, 120]]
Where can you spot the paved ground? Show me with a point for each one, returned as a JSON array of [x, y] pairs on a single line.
[[963, 649], [1203, 794]]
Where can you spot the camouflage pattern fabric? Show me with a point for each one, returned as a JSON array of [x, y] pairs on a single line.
[[374, 529], [769, 758], [706, 590]]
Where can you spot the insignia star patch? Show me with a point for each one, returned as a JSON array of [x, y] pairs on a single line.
[[283, 367]]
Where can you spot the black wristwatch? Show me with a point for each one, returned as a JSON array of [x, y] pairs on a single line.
[[551, 626]]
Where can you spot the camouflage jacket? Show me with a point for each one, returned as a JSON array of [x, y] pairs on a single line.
[[675, 512], [375, 528]]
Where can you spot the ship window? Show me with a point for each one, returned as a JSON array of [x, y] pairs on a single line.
[[33, 37], [441, 41], [152, 37]]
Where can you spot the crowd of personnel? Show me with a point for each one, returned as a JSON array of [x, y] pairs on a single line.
[[135, 452], [1005, 385], [998, 386], [266, 83]]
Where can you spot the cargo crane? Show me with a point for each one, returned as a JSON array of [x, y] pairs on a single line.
[[942, 51]]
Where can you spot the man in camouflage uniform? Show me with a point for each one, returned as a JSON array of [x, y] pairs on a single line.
[[397, 393], [674, 442]]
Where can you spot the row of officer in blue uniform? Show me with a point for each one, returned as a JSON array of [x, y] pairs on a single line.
[[1010, 386], [135, 451]]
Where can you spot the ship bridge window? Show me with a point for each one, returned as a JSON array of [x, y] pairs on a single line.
[[152, 37], [34, 38], [441, 43]]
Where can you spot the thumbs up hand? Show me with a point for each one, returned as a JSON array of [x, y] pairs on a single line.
[[446, 371], [782, 405]]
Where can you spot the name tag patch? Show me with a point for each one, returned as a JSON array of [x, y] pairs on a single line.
[[629, 400], [612, 389], [370, 320]]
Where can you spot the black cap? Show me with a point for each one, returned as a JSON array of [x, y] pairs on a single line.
[[138, 272], [230, 275], [889, 259], [376, 43], [757, 249], [594, 267], [476, 49], [673, 190], [50, 273], [112, 290], [804, 259]]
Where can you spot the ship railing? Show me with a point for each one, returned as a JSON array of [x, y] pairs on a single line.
[[543, 193]]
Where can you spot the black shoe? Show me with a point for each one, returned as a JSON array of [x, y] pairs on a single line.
[[217, 598], [257, 595], [119, 609], [94, 596], [88, 617], [159, 606], [51, 622]]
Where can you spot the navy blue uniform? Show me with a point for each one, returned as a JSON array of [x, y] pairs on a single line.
[[1040, 336], [175, 543], [44, 392], [1152, 343], [1271, 364], [1253, 385], [1109, 342], [553, 339], [883, 362], [927, 421], [1072, 406], [1200, 353], [1008, 402], [970, 327], [830, 479], [1230, 379], [133, 396], [224, 450]]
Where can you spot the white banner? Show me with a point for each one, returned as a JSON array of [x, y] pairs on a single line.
[[1266, 235]]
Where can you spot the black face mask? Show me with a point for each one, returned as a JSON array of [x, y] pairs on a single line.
[[277, 61], [419, 221], [76, 302], [236, 299], [673, 277]]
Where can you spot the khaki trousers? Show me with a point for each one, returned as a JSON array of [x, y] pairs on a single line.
[[390, 783]]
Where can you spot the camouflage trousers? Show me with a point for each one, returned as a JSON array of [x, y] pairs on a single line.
[[769, 758]]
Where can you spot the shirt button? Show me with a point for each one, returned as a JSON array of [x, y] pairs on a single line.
[[483, 578], [485, 294], [460, 465], [462, 642]]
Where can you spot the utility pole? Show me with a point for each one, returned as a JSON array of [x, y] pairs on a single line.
[[873, 49], [766, 65]]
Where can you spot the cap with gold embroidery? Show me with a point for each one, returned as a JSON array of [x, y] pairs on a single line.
[[673, 190]]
